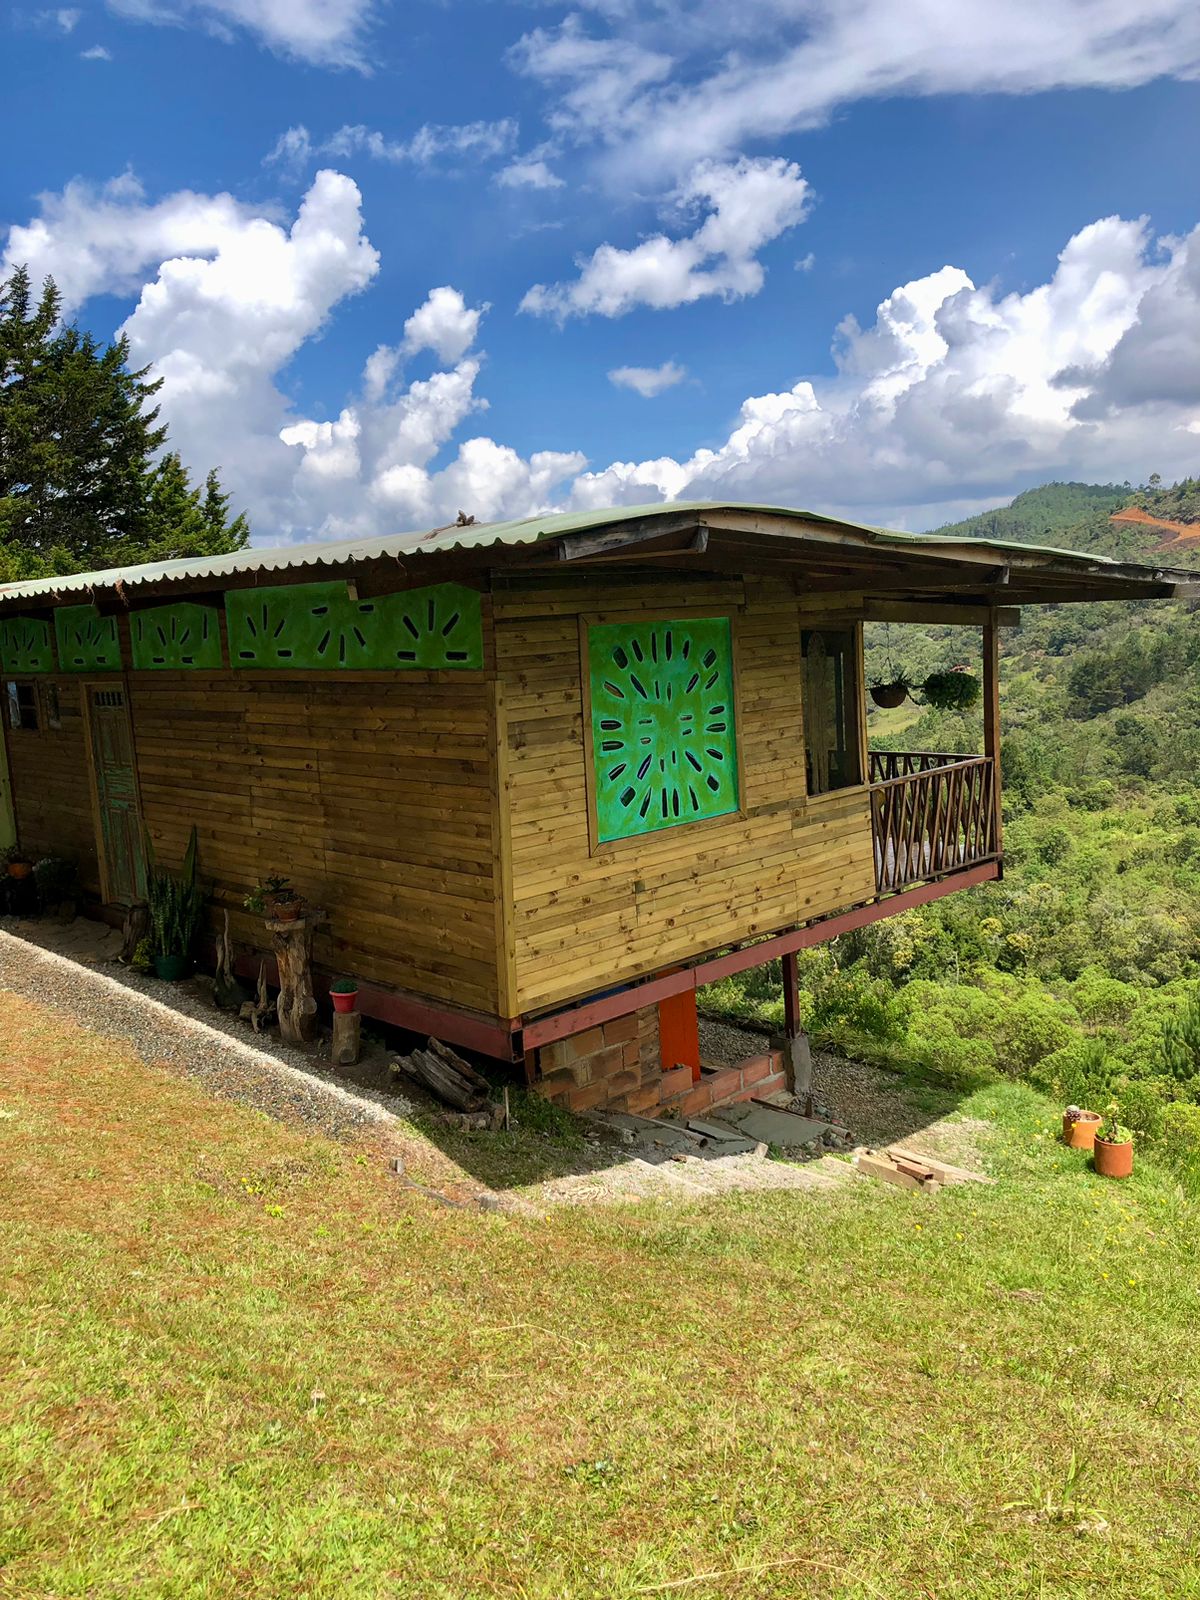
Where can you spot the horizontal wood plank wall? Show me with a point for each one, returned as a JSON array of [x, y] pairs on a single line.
[[52, 799], [583, 921], [371, 791]]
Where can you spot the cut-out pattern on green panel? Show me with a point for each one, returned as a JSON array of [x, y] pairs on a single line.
[[87, 642], [662, 724], [318, 625], [25, 645], [183, 635]]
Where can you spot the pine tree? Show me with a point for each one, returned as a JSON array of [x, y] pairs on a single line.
[[79, 484]]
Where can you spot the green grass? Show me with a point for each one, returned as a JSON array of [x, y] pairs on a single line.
[[240, 1361]]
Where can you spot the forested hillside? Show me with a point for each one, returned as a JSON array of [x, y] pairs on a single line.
[[1081, 970]]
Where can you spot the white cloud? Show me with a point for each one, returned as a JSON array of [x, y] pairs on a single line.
[[749, 203], [951, 397], [95, 52], [329, 33], [64, 18], [957, 394], [794, 62], [431, 143], [648, 381], [528, 172], [293, 151]]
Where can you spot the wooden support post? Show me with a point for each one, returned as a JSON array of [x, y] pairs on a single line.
[[291, 940], [991, 719], [797, 1056], [347, 1038]]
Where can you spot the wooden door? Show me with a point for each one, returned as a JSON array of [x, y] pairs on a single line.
[[118, 820]]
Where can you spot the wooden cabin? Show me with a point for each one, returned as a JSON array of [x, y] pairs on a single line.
[[545, 778]]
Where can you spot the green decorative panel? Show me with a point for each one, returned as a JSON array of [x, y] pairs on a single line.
[[87, 642], [318, 625], [26, 646], [176, 637], [662, 724]]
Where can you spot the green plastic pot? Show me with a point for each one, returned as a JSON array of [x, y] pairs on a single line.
[[171, 968]]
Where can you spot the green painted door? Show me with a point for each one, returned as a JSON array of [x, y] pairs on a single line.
[[120, 842]]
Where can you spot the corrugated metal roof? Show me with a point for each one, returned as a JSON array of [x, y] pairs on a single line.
[[477, 536]]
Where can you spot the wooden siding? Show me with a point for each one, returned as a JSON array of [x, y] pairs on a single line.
[[582, 920], [372, 792], [52, 799]]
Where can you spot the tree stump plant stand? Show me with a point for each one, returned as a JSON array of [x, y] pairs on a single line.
[[291, 941]]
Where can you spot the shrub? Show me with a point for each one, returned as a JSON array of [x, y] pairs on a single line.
[[1081, 1073]]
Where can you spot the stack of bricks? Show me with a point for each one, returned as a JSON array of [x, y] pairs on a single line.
[[616, 1066]]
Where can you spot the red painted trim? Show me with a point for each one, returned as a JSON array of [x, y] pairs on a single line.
[[487, 1035], [562, 1024]]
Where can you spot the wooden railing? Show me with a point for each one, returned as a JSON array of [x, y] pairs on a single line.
[[930, 814]]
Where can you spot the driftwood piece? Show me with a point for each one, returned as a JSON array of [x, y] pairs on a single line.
[[444, 1073], [227, 991], [257, 1011], [134, 929], [296, 1004], [347, 1038]]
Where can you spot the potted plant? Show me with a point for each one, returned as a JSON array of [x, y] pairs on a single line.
[[1112, 1154], [956, 690], [275, 899], [175, 905], [1079, 1127], [891, 694], [19, 865], [344, 993]]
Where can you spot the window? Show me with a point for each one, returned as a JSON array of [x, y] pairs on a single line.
[[22, 706], [662, 723], [832, 708]]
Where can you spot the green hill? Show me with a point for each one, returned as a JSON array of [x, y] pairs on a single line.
[[1076, 516]]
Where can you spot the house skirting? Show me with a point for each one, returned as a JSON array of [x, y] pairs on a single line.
[[617, 1066]]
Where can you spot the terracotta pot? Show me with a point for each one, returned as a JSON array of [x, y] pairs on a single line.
[[285, 911], [889, 695], [19, 869], [344, 1002], [1113, 1160], [1080, 1132]]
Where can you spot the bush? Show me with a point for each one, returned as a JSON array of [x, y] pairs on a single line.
[[1081, 1073]]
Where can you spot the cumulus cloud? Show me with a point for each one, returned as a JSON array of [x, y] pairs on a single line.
[[952, 396], [749, 203], [95, 52], [648, 381], [957, 395], [794, 62], [330, 33]]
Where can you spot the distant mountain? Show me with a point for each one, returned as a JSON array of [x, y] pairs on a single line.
[[1107, 518]]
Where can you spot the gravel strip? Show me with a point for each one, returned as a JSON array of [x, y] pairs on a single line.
[[193, 1039]]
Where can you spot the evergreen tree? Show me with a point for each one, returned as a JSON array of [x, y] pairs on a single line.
[[79, 484]]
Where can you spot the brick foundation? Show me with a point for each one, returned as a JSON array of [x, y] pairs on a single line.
[[617, 1067]]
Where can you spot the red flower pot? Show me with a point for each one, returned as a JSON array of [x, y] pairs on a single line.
[[1113, 1160], [344, 1002], [1080, 1132], [19, 869]]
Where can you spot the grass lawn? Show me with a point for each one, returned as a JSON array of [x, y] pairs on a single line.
[[241, 1361]]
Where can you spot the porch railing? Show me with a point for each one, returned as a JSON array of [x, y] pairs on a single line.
[[930, 814]]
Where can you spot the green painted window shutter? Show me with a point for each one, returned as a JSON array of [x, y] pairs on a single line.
[[663, 741], [25, 645], [317, 625], [178, 636], [87, 642]]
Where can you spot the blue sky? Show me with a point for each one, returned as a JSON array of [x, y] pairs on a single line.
[[900, 262]]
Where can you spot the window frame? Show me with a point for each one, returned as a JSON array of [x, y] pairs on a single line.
[[855, 700], [12, 694]]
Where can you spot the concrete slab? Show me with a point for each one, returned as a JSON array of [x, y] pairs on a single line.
[[763, 1124]]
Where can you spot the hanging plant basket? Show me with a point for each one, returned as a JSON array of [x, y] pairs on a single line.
[[956, 690], [890, 695]]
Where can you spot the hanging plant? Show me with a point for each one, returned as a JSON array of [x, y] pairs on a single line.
[[891, 694], [956, 690], [890, 691]]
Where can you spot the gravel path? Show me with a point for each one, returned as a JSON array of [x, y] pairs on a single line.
[[190, 1037]]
